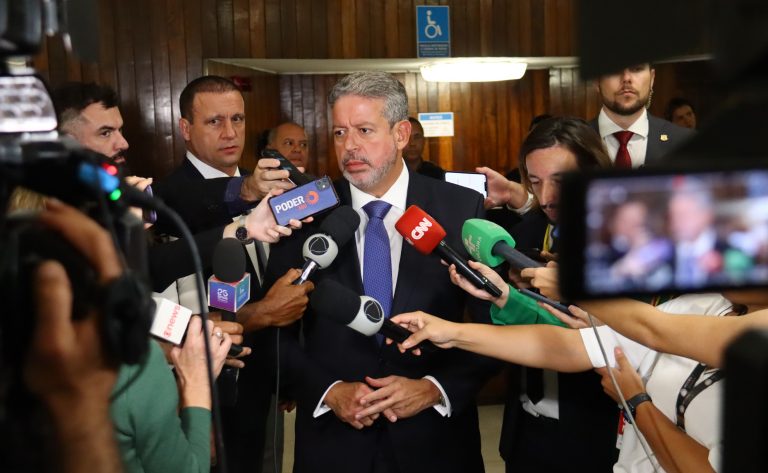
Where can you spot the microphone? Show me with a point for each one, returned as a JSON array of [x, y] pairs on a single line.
[[320, 249], [230, 286], [424, 233], [362, 314], [490, 244]]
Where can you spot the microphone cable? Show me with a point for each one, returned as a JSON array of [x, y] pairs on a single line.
[[625, 407]]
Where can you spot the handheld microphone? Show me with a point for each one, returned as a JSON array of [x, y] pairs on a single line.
[[490, 244], [171, 320], [424, 233], [320, 249], [362, 314], [230, 286]]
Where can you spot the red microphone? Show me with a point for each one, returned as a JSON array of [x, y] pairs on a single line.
[[423, 232]]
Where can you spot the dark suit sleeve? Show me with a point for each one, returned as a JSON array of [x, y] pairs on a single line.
[[172, 260], [201, 203]]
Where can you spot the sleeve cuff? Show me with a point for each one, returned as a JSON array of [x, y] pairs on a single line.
[[444, 406], [322, 407], [525, 208]]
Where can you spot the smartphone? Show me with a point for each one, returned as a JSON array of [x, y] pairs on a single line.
[[471, 180], [546, 300], [663, 231], [296, 176], [304, 201]]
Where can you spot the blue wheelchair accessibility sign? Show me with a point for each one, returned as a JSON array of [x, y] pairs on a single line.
[[433, 31]]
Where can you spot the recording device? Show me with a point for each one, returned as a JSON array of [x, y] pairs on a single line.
[[320, 249], [362, 314], [490, 244], [663, 231], [296, 176], [304, 201], [471, 180], [421, 231], [229, 288], [171, 321]]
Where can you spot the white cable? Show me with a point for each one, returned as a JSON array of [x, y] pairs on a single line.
[[640, 437]]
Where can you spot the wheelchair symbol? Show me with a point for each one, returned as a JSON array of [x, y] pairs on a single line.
[[432, 30]]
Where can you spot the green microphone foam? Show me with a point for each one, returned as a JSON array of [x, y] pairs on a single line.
[[479, 237]]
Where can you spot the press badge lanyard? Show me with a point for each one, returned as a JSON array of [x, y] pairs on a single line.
[[548, 237], [690, 390]]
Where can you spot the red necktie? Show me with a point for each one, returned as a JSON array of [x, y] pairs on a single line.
[[623, 160]]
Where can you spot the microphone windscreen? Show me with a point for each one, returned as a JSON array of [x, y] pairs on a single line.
[[480, 236], [341, 224], [229, 260], [333, 300], [419, 229]]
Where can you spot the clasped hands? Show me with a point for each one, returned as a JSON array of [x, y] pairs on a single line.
[[360, 404]]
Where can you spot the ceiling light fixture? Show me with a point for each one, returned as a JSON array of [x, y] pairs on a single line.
[[473, 70]]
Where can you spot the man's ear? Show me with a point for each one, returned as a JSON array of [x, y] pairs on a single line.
[[653, 76], [184, 127], [402, 133]]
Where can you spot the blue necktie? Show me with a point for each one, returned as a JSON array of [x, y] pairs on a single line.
[[377, 258]]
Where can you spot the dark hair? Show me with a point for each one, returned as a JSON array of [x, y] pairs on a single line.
[[573, 134], [538, 119], [72, 98], [676, 103], [214, 84], [374, 85], [415, 121]]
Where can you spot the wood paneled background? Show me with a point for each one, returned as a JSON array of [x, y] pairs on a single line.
[[149, 49]]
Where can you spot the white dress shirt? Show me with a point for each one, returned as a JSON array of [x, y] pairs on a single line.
[[637, 145]]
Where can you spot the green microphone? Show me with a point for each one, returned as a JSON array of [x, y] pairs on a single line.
[[490, 244]]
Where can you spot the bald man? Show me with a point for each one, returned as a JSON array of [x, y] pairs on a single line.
[[291, 141]]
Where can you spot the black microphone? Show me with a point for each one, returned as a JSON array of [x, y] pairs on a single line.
[[320, 249], [230, 286], [362, 314]]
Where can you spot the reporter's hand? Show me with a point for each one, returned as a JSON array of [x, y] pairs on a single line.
[[344, 399], [424, 326], [283, 304], [481, 294], [191, 363], [580, 318], [627, 378], [398, 397], [265, 177], [235, 332], [261, 224], [544, 279], [502, 191]]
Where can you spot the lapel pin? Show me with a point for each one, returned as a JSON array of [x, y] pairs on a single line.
[[664, 137]]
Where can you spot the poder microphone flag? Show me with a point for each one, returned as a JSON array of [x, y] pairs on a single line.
[[422, 231]]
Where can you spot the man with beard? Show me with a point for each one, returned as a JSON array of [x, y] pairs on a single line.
[[361, 406], [632, 136], [545, 408]]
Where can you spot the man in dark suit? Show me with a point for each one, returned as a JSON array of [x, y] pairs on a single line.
[[362, 406], [213, 126], [632, 136]]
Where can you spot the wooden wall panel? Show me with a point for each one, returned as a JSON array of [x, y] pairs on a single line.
[[151, 48]]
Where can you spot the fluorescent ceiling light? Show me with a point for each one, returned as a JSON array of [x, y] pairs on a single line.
[[473, 70]]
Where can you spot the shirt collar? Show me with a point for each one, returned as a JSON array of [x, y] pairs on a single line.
[[208, 171], [395, 196], [608, 127]]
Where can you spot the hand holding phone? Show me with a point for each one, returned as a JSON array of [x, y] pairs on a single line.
[[471, 180], [296, 176], [304, 201]]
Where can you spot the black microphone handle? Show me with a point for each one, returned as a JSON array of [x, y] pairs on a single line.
[[478, 280], [515, 258], [309, 267], [228, 316], [399, 334]]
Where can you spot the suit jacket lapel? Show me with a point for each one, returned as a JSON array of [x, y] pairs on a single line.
[[411, 261], [654, 146], [348, 267]]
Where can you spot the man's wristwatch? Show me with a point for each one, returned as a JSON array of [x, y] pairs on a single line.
[[241, 233], [633, 402]]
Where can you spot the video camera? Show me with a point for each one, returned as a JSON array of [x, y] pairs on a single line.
[[35, 157]]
